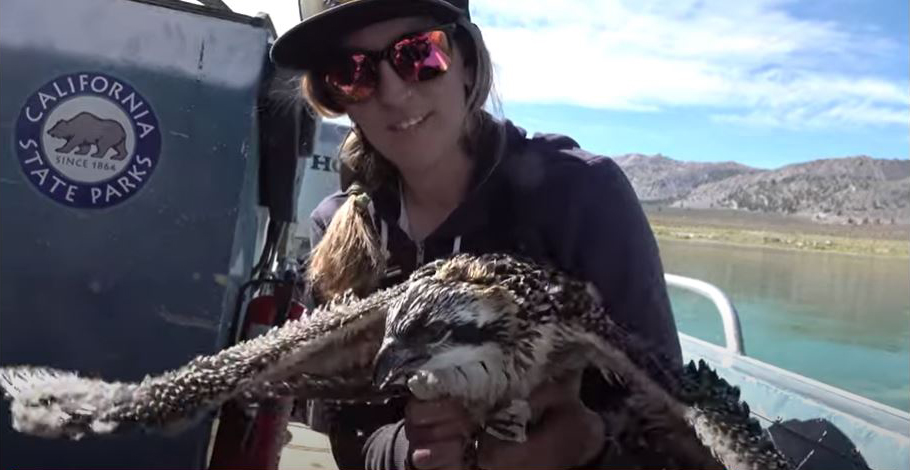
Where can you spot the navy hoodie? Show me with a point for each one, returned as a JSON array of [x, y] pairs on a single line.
[[543, 197]]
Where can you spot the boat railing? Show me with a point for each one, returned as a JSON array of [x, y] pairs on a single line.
[[733, 334]]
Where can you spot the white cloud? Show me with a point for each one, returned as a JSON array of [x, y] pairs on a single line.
[[750, 62]]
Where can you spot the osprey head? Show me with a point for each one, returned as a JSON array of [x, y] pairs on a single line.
[[437, 324]]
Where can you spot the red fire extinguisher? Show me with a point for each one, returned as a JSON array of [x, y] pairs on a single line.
[[253, 438]]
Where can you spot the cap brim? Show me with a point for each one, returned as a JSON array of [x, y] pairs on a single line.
[[302, 46]]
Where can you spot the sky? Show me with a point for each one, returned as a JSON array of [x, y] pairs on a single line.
[[762, 82]]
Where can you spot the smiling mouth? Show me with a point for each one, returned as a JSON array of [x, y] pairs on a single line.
[[409, 123]]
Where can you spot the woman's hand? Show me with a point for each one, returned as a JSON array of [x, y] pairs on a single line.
[[438, 433], [564, 433]]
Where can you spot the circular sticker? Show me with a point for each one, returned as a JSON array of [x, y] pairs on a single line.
[[88, 140]]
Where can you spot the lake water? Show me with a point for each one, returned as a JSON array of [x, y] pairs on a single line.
[[840, 319]]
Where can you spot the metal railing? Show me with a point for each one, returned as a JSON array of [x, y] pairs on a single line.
[[733, 334]]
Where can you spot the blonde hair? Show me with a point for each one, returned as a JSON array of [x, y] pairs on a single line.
[[349, 256]]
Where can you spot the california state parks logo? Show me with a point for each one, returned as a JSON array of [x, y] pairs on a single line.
[[88, 140]]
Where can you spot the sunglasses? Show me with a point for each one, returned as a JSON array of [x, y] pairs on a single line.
[[352, 76]]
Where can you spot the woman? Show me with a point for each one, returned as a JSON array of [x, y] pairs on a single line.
[[434, 174]]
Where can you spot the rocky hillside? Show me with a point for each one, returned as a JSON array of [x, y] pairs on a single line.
[[658, 178], [860, 190]]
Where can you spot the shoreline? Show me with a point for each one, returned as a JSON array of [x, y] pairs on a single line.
[[771, 231]]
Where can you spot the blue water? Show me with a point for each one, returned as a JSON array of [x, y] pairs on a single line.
[[840, 319]]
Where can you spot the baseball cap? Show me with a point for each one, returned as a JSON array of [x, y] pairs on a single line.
[[324, 21]]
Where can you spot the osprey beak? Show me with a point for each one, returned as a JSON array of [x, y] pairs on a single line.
[[394, 363]]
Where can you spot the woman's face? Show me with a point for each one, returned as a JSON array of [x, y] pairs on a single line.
[[414, 125]]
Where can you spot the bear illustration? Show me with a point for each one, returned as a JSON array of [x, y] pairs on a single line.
[[84, 130]]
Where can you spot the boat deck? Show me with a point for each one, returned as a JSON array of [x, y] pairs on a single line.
[[308, 449]]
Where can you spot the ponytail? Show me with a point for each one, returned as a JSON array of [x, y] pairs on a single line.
[[349, 256]]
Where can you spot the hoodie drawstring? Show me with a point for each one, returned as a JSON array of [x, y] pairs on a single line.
[[384, 234]]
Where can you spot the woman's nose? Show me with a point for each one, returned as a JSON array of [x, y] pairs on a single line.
[[392, 90]]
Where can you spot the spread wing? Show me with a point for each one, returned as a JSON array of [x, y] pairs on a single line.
[[488, 318], [699, 423], [326, 355]]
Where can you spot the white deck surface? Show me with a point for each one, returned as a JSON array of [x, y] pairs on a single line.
[[307, 450]]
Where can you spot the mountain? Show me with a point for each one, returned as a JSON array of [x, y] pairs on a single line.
[[840, 190], [658, 178]]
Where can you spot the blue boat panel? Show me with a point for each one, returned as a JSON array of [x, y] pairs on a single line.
[[126, 262]]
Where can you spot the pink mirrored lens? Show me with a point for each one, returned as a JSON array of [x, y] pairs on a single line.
[[422, 57], [354, 78]]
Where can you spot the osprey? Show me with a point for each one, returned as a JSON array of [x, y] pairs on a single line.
[[484, 329]]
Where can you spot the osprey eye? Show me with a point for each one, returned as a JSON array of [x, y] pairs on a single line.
[[429, 333], [435, 330], [468, 333]]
